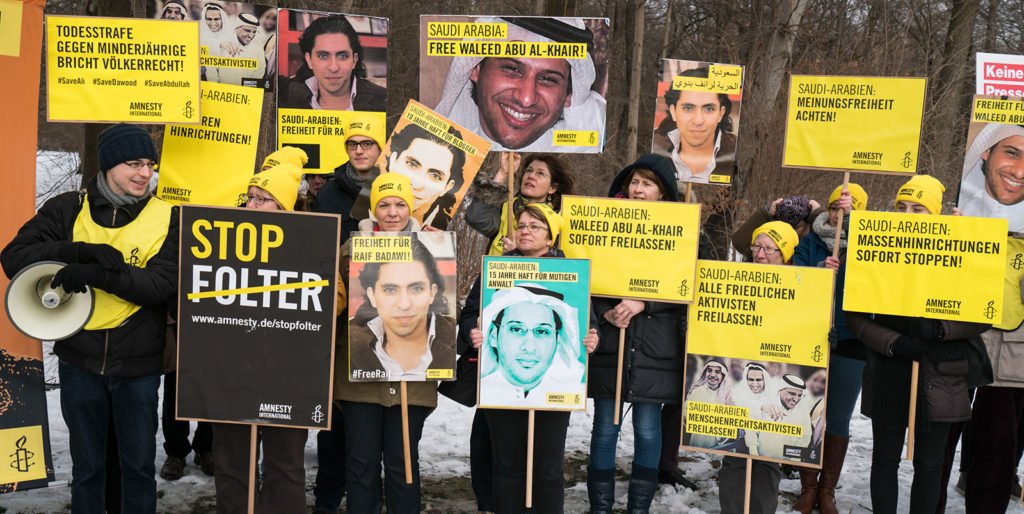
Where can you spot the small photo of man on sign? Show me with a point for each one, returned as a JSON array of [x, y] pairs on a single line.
[[992, 184]]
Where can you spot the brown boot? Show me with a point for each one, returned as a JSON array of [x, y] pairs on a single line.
[[808, 491], [831, 468]]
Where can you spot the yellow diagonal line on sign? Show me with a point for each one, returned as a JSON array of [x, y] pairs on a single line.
[[258, 289]]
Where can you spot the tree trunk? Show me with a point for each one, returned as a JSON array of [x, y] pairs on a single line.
[[991, 19], [947, 93], [635, 74]]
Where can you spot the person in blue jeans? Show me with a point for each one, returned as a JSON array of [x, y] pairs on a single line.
[[653, 367], [110, 371], [846, 362]]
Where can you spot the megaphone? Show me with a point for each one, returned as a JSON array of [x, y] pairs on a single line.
[[43, 312]]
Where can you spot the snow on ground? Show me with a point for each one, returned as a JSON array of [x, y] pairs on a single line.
[[444, 461]]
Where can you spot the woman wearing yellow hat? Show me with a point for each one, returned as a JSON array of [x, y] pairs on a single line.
[[771, 243], [952, 358], [283, 487], [847, 357], [537, 229]]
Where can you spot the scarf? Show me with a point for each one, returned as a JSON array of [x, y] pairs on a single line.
[[115, 199], [827, 232]]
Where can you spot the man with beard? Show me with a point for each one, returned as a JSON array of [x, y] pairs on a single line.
[[993, 176], [784, 409], [711, 387], [174, 10], [365, 137], [240, 47]]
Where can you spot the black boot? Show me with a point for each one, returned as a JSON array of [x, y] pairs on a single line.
[[642, 486], [601, 490]]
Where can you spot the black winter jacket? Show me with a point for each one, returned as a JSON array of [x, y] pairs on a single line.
[[337, 197], [136, 347]]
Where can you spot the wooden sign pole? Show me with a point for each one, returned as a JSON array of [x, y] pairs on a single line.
[[618, 376], [839, 223], [509, 158], [912, 420], [252, 468], [746, 486], [406, 447], [529, 459]]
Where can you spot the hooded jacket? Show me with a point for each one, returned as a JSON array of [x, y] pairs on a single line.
[[652, 369], [134, 348]]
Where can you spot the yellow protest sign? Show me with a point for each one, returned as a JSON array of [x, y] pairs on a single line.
[[743, 310], [637, 249], [23, 449], [919, 265], [1013, 308], [122, 69], [854, 123], [995, 110], [211, 163], [321, 134], [10, 27], [382, 249]]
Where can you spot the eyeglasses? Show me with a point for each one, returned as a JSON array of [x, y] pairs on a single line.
[[533, 229], [365, 145], [139, 164], [258, 200], [767, 251]]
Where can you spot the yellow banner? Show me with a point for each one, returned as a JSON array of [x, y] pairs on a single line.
[[461, 29], [854, 123], [382, 249], [722, 78], [22, 448], [994, 110], [576, 137], [637, 249], [1013, 308], [211, 163], [321, 134], [122, 69], [10, 27], [940, 267], [743, 310], [515, 49]]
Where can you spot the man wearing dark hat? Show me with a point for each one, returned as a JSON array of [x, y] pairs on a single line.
[[240, 46], [122, 242]]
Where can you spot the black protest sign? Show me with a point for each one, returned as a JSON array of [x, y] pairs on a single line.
[[256, 307]]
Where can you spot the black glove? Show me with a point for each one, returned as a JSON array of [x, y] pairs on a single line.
[[107, 256], [909, 347], [76, 276]]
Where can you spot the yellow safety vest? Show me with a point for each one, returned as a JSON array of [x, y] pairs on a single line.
[[139, 241], [1013, 309]]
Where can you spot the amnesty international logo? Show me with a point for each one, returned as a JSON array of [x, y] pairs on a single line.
[[188, 111], [684, 288], [23, 448], [1018, 262], [990, 310], [817, 354], [906, 161], [318, 415]]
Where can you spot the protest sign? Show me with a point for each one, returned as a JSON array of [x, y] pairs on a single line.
[[637, 249], [917, 265], [402, 291], [256, 314], [237, 40], [535, 313], [758, 334], [212, 163], [558, 59], [439, 157], [696, 120], [122, 69], [990, 183], [24, 429], [999, 74], [854, 123], [329, 66]]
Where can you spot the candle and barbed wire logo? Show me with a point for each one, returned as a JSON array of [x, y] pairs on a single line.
[[1018, 262], [990, 310], [817, 354], [684, 288], [22, 458], [318, 415]]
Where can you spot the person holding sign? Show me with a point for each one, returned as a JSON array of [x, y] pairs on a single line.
[[771, 243], [283, 484], [952, 360], [846, 360], [372, 410], [653, 367], [543, 178], [122, 242], [521, 307]]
